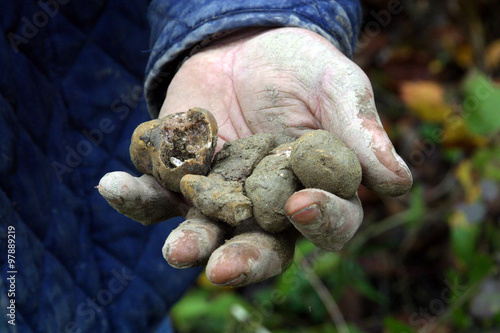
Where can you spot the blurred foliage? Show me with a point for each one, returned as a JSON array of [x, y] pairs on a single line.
[[427, 261]]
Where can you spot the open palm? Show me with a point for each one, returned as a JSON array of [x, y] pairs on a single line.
[[283, 81]]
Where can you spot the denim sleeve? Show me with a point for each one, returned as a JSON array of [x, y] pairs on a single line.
[[177, 26]]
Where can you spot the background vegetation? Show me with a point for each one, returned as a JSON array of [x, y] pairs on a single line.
[[424, 262]]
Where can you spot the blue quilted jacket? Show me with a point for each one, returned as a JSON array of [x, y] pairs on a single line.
[[71, 93]]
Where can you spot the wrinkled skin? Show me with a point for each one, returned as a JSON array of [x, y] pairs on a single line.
[[282, 81]]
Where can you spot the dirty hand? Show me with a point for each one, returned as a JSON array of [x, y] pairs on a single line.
[[282, 81]]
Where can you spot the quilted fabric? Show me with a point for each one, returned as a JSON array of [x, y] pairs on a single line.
[[71, 78], [70, 99]]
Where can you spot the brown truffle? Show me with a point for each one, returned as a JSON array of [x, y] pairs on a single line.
[[237, 158], [269, 187], [322, 161], [217, 198], [174, 146]]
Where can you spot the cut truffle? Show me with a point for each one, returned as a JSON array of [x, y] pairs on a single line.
[[174, 146]]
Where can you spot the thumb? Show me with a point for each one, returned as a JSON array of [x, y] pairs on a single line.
[[349, 113]]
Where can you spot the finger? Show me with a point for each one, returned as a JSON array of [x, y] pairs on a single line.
[[325, 219], [141, 198], [194, 240], [349, 112], [251, 256]]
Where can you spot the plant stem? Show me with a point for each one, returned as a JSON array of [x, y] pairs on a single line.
[[323, 293]]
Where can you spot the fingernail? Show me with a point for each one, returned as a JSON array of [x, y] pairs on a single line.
[[401, 162], [234, 282], [307, 215]]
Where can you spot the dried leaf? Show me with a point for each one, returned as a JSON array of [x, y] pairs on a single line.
[[463, 55], [426, 100], [466, 178], [493, 55], [457, 134]]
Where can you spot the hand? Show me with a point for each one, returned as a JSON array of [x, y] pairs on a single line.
[[283, 81]]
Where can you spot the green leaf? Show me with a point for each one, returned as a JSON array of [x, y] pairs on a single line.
[[461, 319], [392, 325], [453, 155], [480, 267], [352, 274], [493, 234], [205, 311], [366, 289], [292, 282], [416, 211], [464, 240], [430, 131], [481, 105], [305, 247], [487, 162], [325, 263]]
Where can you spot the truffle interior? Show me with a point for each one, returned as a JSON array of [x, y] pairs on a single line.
[[185, 137]]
